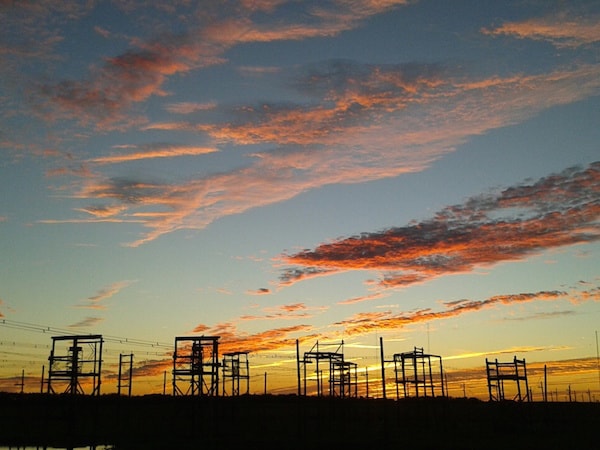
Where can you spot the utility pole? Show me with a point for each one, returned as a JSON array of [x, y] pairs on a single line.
[[382, 366], [545, 384], [22, 383], [598, 359], [121, 382], [298, 369]]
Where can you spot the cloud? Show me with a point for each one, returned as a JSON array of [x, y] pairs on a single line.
[[556, 211], [149, 368], [32, 30], [364, 323], [285, 312], [309, 20], [119, 82], [563, 30], [94, 302], [88, 322], [231, 339], [541, 315], [109, 291], [367, 122], [504, 351], [259, 291], [189, 107], [365, 298], [155, 151]]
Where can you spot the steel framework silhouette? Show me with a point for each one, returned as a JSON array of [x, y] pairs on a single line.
[[416, 374], [196, 365], [341, 375], [74, 359], [499, 372], [235, 369]]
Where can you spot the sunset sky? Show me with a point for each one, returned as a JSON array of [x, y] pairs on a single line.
[[424, 173]]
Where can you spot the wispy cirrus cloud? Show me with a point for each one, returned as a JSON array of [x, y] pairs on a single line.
[[541, 315], [88, 322], [364, 323], [260, 291], [231, 339], [124, 80], [121, 81], [95, 301], [286, 312], [152, 151], [189, 107], [363, 298], [368, 122], [504, 351], [556, 211], [566, 29]]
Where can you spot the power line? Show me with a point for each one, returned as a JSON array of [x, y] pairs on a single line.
[[24, 326]]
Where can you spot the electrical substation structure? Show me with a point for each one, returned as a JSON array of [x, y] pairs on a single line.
[[514, 372], [125, 376], [416, 374], [75, 363], [196, 366], [235, 369], [341, 375]]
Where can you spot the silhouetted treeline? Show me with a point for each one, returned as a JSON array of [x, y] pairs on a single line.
[[290, 422]]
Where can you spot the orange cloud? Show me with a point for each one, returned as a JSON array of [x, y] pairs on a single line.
[[139, 73], [324, 19], [126, 79], [94, 302], [556, 211], [283, 312], [364, 323], [374, 122], [155, 151], [562, 30], [365, 298], [260, 291], [88, 322], [189, 107], [150, 368], [278, 338]]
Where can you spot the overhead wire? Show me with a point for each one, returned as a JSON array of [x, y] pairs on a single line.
[[62, 332]]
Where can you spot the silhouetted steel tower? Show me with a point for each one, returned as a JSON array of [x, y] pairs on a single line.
[[499, 372], [81, 359], [125, 378], [196, 364], [342, 375], [415, 373], [235, 368]]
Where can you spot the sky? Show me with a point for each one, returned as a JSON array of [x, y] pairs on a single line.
[[418, 173]]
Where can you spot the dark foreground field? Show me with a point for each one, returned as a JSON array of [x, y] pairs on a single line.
[[290, 422]]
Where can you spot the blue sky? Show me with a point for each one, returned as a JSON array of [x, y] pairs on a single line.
[[427, 172]]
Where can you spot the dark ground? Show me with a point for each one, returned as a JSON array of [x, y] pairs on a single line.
[[290, 422]]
